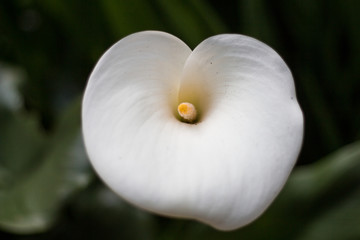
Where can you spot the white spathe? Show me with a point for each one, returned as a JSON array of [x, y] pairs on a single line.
[[225, 169]]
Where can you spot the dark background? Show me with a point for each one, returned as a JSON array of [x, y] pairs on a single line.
[[48, 49]]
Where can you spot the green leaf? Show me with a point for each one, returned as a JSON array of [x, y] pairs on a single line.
[[31, 204], [321, 109], [10, 80], [126, 17], [338, 223], [258, 21], [209, 16], [184, 21], [98, 213]]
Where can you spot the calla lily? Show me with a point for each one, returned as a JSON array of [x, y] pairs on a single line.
[[210, 134]]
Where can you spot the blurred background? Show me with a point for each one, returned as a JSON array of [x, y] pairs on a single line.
[[48, 48]]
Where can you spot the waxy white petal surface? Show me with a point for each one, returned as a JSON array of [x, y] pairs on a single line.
[[226, 169]]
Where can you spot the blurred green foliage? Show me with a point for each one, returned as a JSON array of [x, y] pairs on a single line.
[[47, 51]]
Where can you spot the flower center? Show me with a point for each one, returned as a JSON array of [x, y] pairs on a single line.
[[187, 111]]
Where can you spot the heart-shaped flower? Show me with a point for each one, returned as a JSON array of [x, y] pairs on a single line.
[[210, 134]]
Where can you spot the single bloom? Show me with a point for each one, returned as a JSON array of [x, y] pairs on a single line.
[[210, 134]]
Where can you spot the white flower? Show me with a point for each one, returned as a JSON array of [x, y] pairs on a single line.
[[226, 159]]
